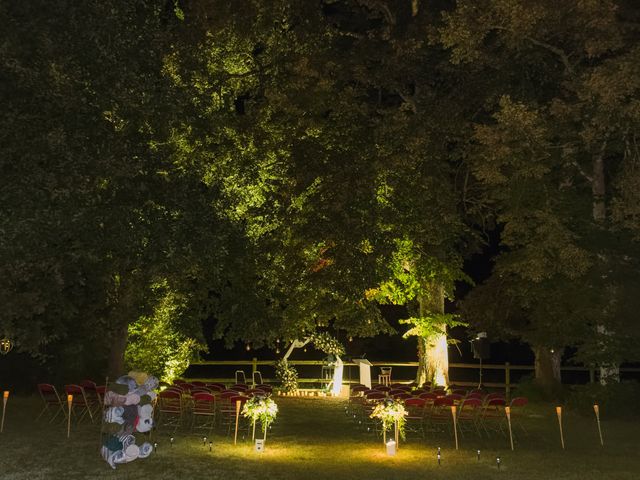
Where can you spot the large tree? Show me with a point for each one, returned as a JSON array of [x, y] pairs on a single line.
[[552, 153], [96, 206]]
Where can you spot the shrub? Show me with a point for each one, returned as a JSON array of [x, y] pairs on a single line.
[[614, 399], [287, 375]]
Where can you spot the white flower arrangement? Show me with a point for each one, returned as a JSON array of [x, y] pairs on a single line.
[[262, 409], [390, 411]]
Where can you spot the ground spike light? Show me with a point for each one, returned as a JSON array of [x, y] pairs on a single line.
[[235, 436], [596, 410], [507, 411], [69, 403], [455, 425], [559, 415], [5, 398]]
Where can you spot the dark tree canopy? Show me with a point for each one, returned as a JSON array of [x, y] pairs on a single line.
[[280, 168]]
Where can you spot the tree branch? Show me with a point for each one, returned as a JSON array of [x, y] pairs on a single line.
[[581, 171], [547, 46]]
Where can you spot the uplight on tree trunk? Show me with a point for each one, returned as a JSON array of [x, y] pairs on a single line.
[[438, 360]]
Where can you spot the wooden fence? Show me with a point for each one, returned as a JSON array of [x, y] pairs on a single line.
[[506, 367]]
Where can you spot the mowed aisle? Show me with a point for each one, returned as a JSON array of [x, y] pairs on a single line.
[[316, 419]]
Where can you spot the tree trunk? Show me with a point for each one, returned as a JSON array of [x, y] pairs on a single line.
[[116, 367], [547, 368], [598, 188], [433, 355], [421, 375], [609, 372]]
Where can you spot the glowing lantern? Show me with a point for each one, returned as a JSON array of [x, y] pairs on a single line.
[[6, 346], [391, 448]]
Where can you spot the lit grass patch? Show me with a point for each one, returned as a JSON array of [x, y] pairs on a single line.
[[313, 438]]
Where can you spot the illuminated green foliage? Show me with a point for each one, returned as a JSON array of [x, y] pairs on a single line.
[[165, 342]]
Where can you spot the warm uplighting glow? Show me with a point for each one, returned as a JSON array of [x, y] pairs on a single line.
[[69, 398], [5, 395], [439, 359]]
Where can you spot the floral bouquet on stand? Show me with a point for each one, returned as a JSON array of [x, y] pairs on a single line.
[[392, 414], [262, 409]]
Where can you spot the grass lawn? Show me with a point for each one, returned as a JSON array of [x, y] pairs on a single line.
[[314, 439]]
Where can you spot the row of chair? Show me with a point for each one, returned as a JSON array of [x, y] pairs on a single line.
[[86, 401], [205, 407], [431, 411]]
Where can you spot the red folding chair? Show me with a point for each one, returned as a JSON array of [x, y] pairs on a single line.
[[518, 405], [227, 394], [170, 409], [456, 397], [491, 396], [429, 396], [493, 416], [395, 391], [228, 412], [382, 388], [252, 392], [402, 396], [101, 390], [200, 390], [80, 405], [93, 397], [415, 415], [357, 390], [204, 411], [439, 417], [215, 388], [239, 387], [376, 395], [53, 405], [216, 385], [469, 415]]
